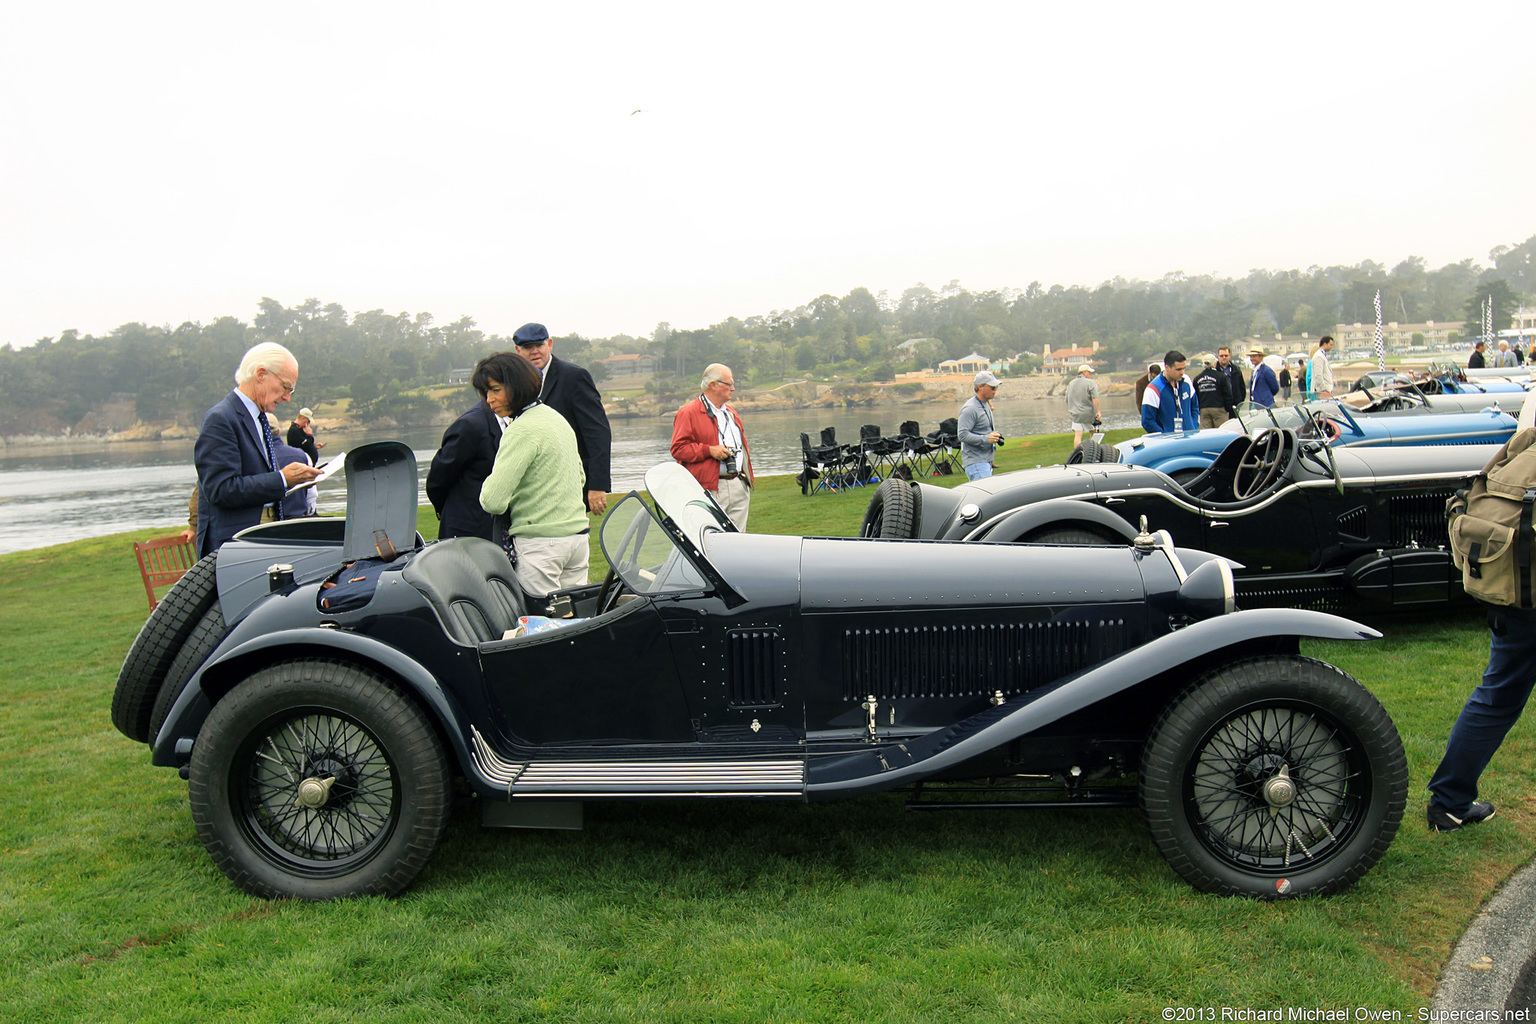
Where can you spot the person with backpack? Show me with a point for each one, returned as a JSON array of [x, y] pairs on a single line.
[[1492, 543]]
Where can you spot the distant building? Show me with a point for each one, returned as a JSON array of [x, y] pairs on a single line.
[[1067, 360], [461, 376], [1396, 336], [971, 364]]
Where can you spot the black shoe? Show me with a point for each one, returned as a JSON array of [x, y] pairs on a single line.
[[1444, 821]]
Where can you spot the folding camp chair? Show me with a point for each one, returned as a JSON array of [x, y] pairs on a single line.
[[880, 452], [163, 561], [821, 466], [853, 469], [916, 452], [946, 441]]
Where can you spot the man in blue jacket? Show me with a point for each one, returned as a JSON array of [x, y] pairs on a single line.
[[1169, 401], [240, 480], [1264, 385]]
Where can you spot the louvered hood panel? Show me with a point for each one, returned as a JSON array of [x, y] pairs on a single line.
[[973, 659]]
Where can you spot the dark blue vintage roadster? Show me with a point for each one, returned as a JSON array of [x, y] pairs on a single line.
[[323, 746]]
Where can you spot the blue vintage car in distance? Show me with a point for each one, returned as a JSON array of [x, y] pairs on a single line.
[[1402, 418]]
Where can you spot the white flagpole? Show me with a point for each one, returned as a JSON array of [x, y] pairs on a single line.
[[1381, 344]]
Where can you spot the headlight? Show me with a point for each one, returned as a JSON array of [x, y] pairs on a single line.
[[1209, 589]]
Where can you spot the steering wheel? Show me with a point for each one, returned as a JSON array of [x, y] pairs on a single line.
[[608, 597], [1260, 463]]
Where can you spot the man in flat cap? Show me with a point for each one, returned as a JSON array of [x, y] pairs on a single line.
[[569, 390]]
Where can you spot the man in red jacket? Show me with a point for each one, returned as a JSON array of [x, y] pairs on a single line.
[[708, 439]]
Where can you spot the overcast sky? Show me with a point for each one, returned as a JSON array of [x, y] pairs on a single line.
[[171, 162]]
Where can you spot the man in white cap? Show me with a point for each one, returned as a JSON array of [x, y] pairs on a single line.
[[1083, 403], [978, 429], [301, 435]]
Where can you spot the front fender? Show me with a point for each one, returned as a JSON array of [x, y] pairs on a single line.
[[888, 766], [1022, 521], [173, 746]]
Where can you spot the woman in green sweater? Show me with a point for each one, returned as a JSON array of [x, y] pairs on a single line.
[[536, 481]]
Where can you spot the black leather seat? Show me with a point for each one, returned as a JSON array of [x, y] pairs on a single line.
[[469, 583]]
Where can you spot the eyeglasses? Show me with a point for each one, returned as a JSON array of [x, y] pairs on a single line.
[[726, 384], [287, 388]]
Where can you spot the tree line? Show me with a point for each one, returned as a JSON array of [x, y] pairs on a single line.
[[382, 361]]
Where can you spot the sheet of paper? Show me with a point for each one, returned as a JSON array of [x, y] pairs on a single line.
[[327, 471]]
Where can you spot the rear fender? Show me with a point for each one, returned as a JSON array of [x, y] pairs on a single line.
[[1056, 512], [173, 746], [1188, 649]]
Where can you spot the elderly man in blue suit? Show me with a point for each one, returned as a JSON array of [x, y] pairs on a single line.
[[240, 480]]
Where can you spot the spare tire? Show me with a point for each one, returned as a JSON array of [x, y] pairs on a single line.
[[205, 636], [155, 648], [1093, 451], [893, 512]]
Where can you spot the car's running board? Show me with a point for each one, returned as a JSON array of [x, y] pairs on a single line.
[[619, 779]]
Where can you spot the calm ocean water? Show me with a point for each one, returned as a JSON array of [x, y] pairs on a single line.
[[60, 492]]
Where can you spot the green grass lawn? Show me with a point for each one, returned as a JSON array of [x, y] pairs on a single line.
[[111, 911]]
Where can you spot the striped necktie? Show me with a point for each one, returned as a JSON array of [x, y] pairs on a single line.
[[271, 438]]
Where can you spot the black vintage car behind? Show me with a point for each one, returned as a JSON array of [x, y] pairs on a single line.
[[322, 747], [1307, 525]]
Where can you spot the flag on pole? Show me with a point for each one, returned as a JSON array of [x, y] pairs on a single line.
[[1381, 343]]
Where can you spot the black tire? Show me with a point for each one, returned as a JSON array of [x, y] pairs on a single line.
[[160, 638], [205, 636], [1213, 788], [1093, 451], [893, 512], [1065, 535], [287, 728]]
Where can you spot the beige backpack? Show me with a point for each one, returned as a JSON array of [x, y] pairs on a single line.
[[1492, 539]]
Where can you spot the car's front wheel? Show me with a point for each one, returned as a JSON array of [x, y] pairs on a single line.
[[1273, 777], [319, 780]]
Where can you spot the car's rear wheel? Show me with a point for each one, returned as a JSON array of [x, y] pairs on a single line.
[[205, 636], [155, 648], [319, 780], [1273, 777], [893, 512]]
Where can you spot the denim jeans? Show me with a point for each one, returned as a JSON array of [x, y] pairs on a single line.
[[978, 470], [1488, 715]]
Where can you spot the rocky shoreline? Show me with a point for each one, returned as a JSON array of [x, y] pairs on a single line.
[[793, 395]]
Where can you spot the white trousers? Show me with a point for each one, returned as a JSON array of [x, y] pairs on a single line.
[[734, 496], [547, 564]]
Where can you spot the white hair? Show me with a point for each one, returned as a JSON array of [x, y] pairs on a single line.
[[269, 356], [713, 373]]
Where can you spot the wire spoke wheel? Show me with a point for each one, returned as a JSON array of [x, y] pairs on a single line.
[[1274, 787], [319, 780], [1273, 776], [348, 806]]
